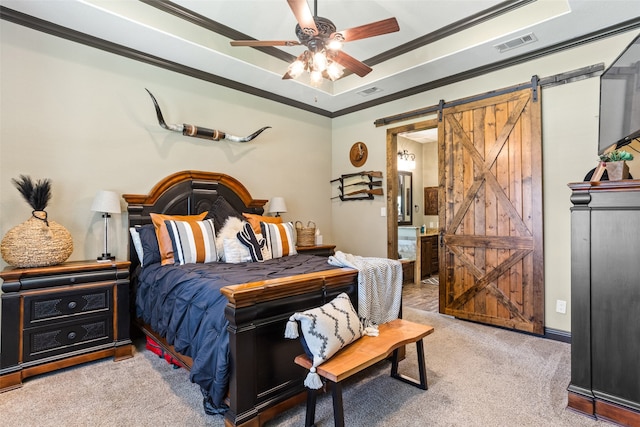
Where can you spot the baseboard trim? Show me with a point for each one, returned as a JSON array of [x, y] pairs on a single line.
[[557, 335], [602, 410]]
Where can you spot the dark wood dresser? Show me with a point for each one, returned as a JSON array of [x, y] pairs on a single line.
[[605, 300], [59, 316]]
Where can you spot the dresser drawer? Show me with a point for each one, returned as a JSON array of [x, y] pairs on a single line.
[[65, 337], [61, 305]]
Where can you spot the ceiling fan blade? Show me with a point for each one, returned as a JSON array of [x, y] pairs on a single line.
[[304, 16], [385, 26], [256, 43], [351, 63]]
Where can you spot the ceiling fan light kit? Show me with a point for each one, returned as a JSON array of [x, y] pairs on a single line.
[[324, 58]]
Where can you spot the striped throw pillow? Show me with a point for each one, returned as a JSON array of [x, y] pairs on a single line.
[[193, 241], [280, 238]]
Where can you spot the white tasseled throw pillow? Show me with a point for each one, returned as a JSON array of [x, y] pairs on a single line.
[[325, 330]]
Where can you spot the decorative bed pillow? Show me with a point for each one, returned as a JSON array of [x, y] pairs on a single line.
[[229, 230], [280, 238], [257, 245], [325, 330], [234, 252], [255, 221], [164, 241], [221, 209], [193, 241], [137, 243], [149, 241]]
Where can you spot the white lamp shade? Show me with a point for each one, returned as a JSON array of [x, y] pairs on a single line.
[[277, 205], [106, 201]]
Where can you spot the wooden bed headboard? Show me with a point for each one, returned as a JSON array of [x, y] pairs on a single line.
[[187, 193]]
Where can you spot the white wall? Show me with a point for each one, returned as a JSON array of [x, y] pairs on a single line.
[[82, 118], [570, 140]]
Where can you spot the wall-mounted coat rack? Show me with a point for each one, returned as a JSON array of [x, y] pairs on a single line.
[[359, 186]]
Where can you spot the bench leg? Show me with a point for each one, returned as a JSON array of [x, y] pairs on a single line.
[[310, 419], [338, 411], [422, 384]]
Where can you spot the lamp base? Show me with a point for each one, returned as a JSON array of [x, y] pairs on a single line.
[[106, 258]]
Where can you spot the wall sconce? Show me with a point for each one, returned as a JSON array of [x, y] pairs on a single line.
[[107, 202], [406, 160], [277, 205]]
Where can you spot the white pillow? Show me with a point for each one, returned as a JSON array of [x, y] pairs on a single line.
[[137, 243], [229, 230], [325, 330], [234, 251]]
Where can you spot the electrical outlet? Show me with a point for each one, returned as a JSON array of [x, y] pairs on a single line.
[[561, 306]]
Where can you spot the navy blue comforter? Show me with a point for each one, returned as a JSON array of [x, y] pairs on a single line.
[[184, 305]]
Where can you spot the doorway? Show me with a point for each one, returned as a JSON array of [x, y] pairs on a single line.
[[409, 213]]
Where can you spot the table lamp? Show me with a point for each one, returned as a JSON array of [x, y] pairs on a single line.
[[107, 202]]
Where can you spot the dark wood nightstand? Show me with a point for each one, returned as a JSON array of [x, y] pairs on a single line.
[[59, 316], [319, 250]]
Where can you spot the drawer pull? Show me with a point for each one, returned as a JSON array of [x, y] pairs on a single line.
[[71, 335], [72, 305]]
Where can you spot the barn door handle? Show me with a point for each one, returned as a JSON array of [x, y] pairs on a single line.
[[442, 239]]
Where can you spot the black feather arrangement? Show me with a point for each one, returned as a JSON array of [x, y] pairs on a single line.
[[36, 194]]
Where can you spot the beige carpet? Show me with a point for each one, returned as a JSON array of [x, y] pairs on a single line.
[[478, 376]]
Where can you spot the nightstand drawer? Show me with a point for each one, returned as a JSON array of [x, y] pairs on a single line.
[[66, 304], [66, 337]]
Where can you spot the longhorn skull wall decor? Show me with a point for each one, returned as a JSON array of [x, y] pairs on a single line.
[[200, 132]]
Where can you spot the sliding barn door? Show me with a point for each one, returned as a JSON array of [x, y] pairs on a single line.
[[491, 264]]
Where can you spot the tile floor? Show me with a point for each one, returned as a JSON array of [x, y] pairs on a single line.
[[424, 296]]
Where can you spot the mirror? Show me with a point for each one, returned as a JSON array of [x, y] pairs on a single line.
[[405, 200]]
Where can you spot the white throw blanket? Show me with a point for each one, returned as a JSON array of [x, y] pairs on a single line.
[[379, 286]]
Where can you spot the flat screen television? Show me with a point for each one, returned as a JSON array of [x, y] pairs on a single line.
[[620, 100]]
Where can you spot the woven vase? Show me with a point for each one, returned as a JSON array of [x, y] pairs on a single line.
[[37, 242]]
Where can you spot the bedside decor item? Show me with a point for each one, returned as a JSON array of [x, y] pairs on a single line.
[[200, 132], [358, 154], [306, 236], [37, 242], [106, 202], [277, 206]]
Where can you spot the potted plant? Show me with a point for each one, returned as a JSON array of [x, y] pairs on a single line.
[[615, 163]]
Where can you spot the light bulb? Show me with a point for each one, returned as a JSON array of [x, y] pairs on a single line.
[[319, 61], [296, 68], [315, 78], [334, 44], [334, 71]]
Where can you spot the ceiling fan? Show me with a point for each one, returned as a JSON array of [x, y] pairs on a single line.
[[324, 44]]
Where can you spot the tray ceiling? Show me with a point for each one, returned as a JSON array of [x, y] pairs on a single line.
[[437, 41]]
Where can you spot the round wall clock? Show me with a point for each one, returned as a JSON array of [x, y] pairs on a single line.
[[358, 154]]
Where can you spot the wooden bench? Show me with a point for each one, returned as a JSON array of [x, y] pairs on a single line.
[[363, 353]]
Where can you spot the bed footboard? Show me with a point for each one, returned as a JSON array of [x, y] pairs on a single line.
[[264, 380]]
